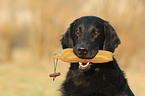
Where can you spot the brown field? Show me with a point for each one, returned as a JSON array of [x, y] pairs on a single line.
[[30, 31], [22, 78]]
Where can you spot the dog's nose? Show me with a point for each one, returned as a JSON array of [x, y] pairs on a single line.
[[82, 50]]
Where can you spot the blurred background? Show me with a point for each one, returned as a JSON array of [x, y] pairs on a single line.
[[30, 31]]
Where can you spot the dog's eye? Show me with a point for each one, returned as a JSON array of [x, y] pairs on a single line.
[[96, 33], [77, 32]]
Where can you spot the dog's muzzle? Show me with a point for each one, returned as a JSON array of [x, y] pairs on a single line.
[[84, 67]]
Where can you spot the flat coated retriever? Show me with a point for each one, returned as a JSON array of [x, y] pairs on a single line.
[[87, 35]]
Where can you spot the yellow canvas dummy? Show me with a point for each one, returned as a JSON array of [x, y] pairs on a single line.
[[67, 55]]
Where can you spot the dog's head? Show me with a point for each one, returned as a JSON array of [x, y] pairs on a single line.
[[87, 35]]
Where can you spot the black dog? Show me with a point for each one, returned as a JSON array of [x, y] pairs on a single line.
[[86, 36]]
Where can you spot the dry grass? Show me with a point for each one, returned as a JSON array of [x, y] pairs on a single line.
[[32, 79], [26, 79]]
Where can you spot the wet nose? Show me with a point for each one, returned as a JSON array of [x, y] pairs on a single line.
[[82, 50]]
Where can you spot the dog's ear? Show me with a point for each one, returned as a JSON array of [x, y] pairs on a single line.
[[67, 38], [111, 39]]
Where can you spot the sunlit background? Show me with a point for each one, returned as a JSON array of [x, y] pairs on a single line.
[[30, 31]]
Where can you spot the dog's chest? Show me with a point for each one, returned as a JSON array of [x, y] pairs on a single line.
[[97, 82]]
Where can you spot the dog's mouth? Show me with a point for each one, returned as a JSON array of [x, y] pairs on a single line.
[[90, 54], [84, 66]]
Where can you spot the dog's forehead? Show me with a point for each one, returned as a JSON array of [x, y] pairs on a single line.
[[90, 19], [89, 22]]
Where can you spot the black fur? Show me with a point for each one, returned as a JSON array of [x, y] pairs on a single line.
[[105, 79]]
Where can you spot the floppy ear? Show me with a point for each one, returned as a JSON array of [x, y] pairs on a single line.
[[67, 38], [111, 39]]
